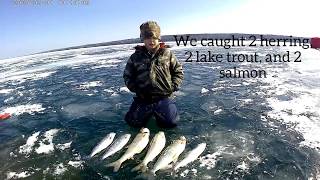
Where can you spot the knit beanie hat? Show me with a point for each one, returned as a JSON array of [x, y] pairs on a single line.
[[149, 29]]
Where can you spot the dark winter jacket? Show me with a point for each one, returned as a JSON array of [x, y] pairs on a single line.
[[153, 75]]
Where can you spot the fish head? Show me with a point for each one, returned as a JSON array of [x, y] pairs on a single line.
[[127, 136], [203, 144], [112, 135], [160, 133], [183, 140], [145, 131]]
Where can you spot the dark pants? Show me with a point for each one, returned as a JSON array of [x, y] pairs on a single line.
[[164, 110]]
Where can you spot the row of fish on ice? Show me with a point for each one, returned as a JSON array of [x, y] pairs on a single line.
[[167, 159]]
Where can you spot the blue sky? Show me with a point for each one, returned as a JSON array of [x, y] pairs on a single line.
[[30, 28]]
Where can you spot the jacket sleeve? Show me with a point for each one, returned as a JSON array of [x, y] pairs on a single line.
[[129, 76], [176, 72]]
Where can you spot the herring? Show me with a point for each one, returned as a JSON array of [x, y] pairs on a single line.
[[191, 156], [170, 154], [138, 144], [117, 145], [104, 143], [156, 145]]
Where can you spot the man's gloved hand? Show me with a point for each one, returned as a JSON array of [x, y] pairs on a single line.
[[175, 88], [140, 94]]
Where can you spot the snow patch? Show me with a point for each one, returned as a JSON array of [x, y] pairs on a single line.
[[179, 93], [217, 111], [114, 61], [16, 175], [28, 108], [59, 169], [46, 145], [114, 94], [207, 177], [64, 146], [204, 90], [243, 166], [76, 164], [87, 85], [184, 173], [194, 170], [246, 100], [8, 100], [5, 91], [103, 66], [209, 161], [303, 113], [28, 147], [22, 76], [124, 89], [108, 90]]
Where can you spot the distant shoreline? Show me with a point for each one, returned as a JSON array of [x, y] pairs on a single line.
[[166, 38]]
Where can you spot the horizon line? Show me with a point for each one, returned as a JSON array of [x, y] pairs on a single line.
[[137, 40]]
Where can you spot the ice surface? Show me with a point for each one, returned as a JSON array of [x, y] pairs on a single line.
[[295, 103], [50, 83], [84, 109]]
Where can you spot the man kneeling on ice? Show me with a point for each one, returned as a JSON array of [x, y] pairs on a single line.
[[153, 73]]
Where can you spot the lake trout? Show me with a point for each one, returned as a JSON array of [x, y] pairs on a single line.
[[138, 144], [104, 143], [170, 154], [156, 145], [191, 156], [117, 145]]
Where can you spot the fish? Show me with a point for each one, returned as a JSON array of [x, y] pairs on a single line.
[[137, 145], [170, 154], [156, 145], [190, 156], [117, 145], [104, 143]]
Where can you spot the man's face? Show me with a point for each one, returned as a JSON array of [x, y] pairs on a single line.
[[151, 43]]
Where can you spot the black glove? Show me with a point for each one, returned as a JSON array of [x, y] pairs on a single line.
[[175, 88]]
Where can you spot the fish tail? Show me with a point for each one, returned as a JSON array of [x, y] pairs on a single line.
[[152, 172], [175, 168], [116, 165], [138, 167], [142, 167]]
